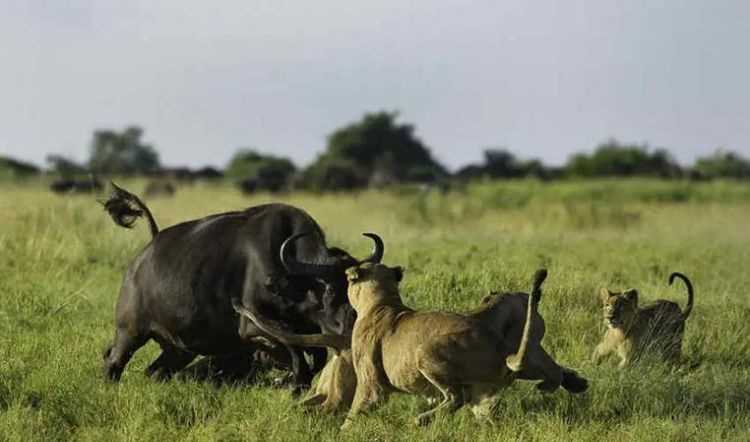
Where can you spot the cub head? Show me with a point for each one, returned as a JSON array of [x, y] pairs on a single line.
[[373, 283], [619, 307]]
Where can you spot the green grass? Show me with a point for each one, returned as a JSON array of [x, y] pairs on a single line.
[[62, 262]]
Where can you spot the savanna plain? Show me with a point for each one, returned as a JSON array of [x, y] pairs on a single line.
[[62, 261]]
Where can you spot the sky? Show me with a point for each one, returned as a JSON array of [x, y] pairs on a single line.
[[542, 78]]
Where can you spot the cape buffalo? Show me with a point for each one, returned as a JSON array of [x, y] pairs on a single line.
[[66, 185], [178, 291]]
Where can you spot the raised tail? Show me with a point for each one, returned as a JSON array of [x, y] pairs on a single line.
[[689, 306], [125, 208], [336, 342], [516, 362]]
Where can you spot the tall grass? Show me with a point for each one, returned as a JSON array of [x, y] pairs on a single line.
[[62, 262]]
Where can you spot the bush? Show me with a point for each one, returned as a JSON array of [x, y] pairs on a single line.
[[614, 159], [723, 164], [264, 172], [15, 169]]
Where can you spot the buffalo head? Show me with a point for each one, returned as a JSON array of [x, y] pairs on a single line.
[[328, 303]]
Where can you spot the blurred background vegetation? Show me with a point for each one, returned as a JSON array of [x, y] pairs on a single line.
[[375, 152]]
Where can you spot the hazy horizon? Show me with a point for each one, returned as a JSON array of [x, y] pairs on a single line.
[[543, 79]]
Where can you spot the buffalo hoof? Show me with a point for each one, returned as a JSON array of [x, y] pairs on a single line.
[[573, 382], [547, 386]]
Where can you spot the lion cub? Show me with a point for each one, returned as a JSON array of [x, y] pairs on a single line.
[[632, 331]]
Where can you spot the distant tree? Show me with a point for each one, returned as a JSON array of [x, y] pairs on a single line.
[[501, 163], [615, 159], [122, 152], [265, 172], [375, 150], [11, 168], [332, 174], [64, 166], [723, 164]]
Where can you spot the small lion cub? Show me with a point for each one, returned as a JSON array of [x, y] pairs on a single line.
[[657, 328]]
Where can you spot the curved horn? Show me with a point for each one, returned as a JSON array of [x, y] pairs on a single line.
[[295, 267], [377, 251]]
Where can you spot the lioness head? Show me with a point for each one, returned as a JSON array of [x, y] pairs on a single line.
[[619, 307], [371, 283]]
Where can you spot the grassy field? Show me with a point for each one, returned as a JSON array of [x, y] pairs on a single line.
[[62, 261]]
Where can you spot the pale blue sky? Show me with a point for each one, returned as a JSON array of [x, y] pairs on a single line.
[[543, 78]]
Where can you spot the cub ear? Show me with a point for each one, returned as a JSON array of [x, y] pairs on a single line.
[[398, 273], [605, 294], [631, 295], [353, 274]]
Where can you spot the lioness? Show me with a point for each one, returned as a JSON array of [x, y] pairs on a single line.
[[632, 331], [500, 320]]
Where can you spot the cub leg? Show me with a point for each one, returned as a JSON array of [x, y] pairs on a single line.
[[625, 352], [600, 352]]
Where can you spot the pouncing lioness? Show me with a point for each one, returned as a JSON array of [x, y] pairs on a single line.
[[469, 348], [632, 331]]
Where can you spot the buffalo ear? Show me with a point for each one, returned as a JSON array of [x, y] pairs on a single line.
[[398, 272], [605, 294], [631, 295], [353, 274]]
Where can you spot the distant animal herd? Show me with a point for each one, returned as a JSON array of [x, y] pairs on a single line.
[[261, 286]]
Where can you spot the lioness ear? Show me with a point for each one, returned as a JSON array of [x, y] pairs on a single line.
[[352, 274], [631, 295], [604, 294], [398, 272]]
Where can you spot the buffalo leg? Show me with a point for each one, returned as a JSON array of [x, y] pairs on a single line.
[[170, 361], [116, 357], [573, 382], [303, 376], [319, 358]]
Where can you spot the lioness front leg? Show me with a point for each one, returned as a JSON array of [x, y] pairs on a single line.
[[365, 397]]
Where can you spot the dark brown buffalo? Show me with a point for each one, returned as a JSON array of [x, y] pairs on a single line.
[[178, 291]]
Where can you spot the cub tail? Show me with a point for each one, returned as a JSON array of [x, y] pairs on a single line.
[[689, 306]]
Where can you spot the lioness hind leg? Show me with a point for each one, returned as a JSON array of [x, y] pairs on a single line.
[[483, 401], [452, 398]]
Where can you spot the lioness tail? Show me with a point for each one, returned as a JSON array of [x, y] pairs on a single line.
[[125, 208], [517, 361], [336, 342], [689, 306]]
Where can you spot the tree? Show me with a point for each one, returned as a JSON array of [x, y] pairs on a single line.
[[375, 149], [11, 168], [267, 172], [723, 164], [122, 152], [65, 167]]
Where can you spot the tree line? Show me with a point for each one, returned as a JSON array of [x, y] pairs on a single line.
[[378, 151]]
